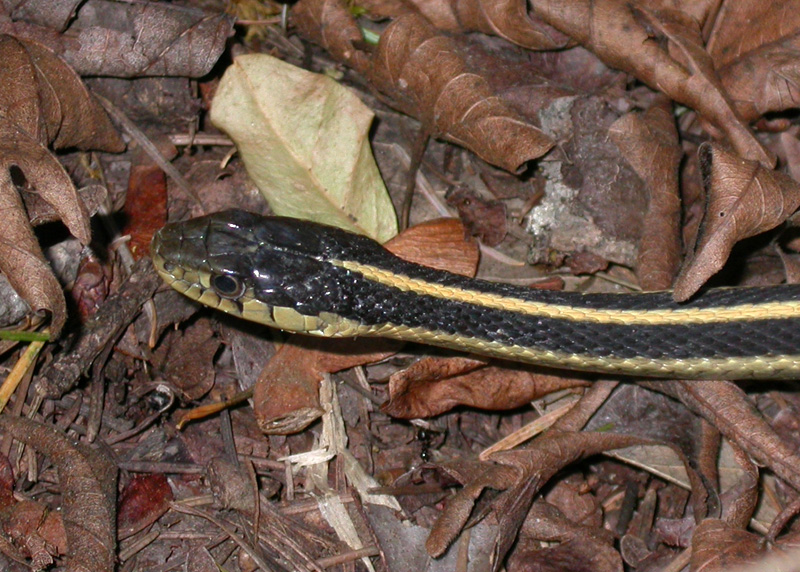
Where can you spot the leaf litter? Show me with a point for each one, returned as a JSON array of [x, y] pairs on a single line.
[[600, 138]]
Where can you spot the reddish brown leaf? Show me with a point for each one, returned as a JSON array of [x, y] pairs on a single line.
[[91, 286], [142, 502], [286, 395], [6, 483], [744, 199], [433, 385], [146, 201], [439, 243]]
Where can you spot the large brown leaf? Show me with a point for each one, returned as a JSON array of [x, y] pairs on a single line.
[[505, 18], [432, 386]]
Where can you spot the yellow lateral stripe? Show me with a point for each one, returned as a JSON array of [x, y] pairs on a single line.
[[683, 316], [774, 367]]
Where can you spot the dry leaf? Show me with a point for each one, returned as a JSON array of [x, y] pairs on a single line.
[[743, 199], [649, 143], [439, 243], [432, 386], [521, 474], [142, 502], [54, 14], [88, 486], [717, 546], [21, 258], [726, 407], [42, 102], [108, 38], [548, 536], [286, 394], [759, 71], [508, 19], [304, 140], [427, 76], [146, 199], [37, 531], [663, 49]]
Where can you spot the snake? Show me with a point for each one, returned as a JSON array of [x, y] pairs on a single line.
[[310, 278]]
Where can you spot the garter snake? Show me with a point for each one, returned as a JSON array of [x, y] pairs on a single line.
[[305, 277]]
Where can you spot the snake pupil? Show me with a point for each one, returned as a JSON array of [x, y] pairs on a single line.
[[226, 286]]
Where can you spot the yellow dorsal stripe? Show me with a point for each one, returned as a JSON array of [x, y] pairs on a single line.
[[680, 316]]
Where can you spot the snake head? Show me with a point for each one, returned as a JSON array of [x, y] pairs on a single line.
[[272, 270]]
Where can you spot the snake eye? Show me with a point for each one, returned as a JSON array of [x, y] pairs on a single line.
[[227, 286]]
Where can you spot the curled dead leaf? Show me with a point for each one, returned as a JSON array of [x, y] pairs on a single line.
[[743, 199], [427, 76], [42, 102], [21, 258]]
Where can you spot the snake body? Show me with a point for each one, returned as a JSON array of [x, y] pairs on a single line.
[[315, 279]]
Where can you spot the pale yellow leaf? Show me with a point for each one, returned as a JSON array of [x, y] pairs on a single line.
[[304, 141]]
